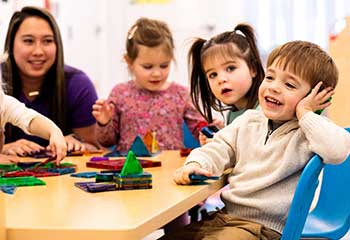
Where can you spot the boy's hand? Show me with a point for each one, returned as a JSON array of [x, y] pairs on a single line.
[[181, 175], [315, 100], [21, 147], [103, 111], [8, 159], [58, 146]]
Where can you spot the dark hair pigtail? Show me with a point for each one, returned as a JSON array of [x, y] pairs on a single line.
[[199, 85], [254, 63]]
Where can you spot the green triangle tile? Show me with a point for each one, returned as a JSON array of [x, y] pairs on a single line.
[[131, 165]]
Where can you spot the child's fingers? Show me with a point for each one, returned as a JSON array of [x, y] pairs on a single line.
[[61, 152], [325, 105], [325, 93], [181, 175], [218, 122], [100, 101], [316, 89], [202, 139]]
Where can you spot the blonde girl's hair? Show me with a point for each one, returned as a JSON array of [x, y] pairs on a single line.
[[150, 33]]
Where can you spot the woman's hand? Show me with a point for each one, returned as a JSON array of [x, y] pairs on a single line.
[[21, 148], [8, 159], [73, 144], [103, 111], [181, 175]]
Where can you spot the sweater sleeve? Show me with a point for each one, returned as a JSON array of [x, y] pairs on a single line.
[[218, 155], [15, 112], [325, 138]]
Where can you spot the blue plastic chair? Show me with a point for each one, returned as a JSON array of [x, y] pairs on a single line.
[[330, 219], [189, 140]]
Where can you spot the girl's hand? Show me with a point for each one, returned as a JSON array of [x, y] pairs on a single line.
[[315, 100], [218, 122], [21, 148], [103, 111], [58, 146], [181, 175], [8, 159]]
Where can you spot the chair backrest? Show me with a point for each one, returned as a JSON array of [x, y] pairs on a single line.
[[302, 199], [333, 202]]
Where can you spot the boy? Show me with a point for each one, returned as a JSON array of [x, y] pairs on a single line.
[[268, 149]]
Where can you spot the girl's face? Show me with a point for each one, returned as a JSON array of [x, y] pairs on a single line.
[[34, 48], [151, 68], [229, 79], [280, 93]]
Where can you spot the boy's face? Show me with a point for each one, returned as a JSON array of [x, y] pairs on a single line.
[[280, 93]]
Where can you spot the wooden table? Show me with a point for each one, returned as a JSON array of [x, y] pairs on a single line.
[[60, 210]]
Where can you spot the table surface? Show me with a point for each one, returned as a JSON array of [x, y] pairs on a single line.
[[59, 210]]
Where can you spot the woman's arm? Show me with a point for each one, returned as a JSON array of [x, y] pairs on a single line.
[[85, 136]]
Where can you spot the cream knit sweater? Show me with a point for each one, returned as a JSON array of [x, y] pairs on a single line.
[[265, 174]]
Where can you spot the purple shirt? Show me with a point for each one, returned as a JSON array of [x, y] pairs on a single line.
[[81, 95]]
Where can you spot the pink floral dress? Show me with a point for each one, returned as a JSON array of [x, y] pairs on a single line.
[[138, 111]]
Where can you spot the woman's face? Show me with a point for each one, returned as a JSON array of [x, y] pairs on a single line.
[[34, 49]]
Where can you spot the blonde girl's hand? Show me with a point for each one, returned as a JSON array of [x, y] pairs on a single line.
[[103, 111], [315, 100], [58, 145], [181, 175], [204, 139], [21, 147], [8, 159]]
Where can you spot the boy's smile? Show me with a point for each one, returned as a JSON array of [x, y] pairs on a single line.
[[280, 93]]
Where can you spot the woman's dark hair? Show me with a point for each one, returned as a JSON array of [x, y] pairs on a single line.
[[53, 89]]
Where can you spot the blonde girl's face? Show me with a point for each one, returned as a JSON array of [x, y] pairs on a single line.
[[280, 92], [34, 48], [151, 68], [229, 79]]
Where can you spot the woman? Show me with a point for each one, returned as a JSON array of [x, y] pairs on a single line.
[[36, 75]]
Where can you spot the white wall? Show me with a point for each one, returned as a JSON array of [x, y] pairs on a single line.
[[94, 36], [94, 31]]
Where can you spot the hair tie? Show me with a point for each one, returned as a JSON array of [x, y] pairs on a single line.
[[239, 32], [132, 32], [206, 43]]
